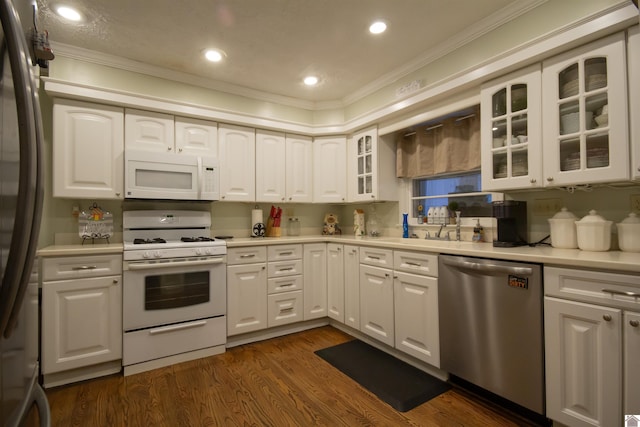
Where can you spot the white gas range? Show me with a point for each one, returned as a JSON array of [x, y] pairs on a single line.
[[174, 289]]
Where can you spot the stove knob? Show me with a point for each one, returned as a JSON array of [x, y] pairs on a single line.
[[198, 251], [146, 255], [209, 251], [157, 254]]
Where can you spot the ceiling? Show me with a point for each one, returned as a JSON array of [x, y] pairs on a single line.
[[272, 44]]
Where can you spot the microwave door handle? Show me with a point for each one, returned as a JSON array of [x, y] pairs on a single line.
[[200, 178]]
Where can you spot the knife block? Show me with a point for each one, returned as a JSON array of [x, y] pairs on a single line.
[[271, 230]]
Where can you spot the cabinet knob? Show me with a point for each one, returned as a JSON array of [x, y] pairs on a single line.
[[373, 197], [168, 148], [634, 323], [118, 194], [115, 281], [607, 317], [180, 150], [549, 178], [290, 198], [533, 180], [222, 197]]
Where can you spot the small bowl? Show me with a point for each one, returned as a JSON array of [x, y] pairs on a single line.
[[602, 120]]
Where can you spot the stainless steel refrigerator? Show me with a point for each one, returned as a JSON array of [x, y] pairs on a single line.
[[21, 195]]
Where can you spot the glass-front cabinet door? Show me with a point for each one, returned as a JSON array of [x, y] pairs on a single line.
[[364, 163], [586, 137], [511, 131]]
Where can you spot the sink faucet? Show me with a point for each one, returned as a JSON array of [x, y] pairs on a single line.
[[458, 230], [439, 231]]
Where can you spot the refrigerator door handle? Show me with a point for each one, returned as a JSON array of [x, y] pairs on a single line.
[[488, 268]]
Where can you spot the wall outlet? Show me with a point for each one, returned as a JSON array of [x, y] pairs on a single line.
[[546, 207], [635, 203]]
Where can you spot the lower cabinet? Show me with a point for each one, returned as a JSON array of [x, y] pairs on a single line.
[[284, 285], [376, 303], [246, 290], [315, 280], [81, 320], [352, 286], [335, 281]]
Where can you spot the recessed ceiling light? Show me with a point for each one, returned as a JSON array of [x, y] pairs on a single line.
[[377, 27], [214, 55], [311, 80], [69, 13]]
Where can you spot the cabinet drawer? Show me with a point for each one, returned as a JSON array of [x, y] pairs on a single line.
[[248, 255], [284, 284], [284, 268], [612, 289], [76, 267], [284, 308], [377, 257], [284, 252], [163, 341], [416, 262]]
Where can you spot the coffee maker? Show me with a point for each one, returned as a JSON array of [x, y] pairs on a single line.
[[511, 216]]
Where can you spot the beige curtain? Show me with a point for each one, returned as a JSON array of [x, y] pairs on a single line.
[[432, 150]]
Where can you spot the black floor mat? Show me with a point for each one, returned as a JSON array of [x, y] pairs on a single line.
[[397, 383]]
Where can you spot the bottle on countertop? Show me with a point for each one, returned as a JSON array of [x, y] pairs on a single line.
[[478, 232], [405, 225]]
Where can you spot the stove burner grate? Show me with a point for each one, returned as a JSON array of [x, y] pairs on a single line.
[[197, 239], [148, 241]]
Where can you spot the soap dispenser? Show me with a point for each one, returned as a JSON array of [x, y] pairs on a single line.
[[478, 232]]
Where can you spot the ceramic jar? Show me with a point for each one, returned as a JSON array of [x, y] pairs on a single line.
[[593, 232], [629, 234], [563, 230]]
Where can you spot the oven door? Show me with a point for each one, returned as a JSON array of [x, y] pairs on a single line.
[[163, 292]]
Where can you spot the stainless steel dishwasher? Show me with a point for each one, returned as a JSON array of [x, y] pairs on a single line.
[[491, 326]]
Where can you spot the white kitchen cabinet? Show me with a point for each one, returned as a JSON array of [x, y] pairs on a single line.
[[88, 150], [335, 281], [511, 131], [633, 50], [196, 137], [416, 305], [270, 166], [376, 303], [81, 318], [371, 167], [352, 286], [330, 169], [246, 289], [585, 115], [299, 169], [315, 280], [591, 346], [285, 284], [149, 131], [237, 156]]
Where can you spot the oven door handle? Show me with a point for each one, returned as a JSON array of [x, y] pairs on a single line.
[[173, 328], [155, 265]]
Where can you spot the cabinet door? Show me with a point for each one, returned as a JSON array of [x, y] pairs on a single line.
[[376, 303], [81, 323], [363, 161], [352, 286], [237, 163], [88, 150], [299, 169], [583, 364], [246, 298], [330, 169], [416, 316], [633, 50], [315, 280], [196, 137], [512, 131], [149, 131], [631, 356], [270, 166], [335, 281], [586, 138]]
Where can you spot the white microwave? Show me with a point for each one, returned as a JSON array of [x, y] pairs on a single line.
[[170, 176]]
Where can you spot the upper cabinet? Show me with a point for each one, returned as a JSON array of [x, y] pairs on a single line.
[[330, 169], [371, 167], [88, 150], [511, 129], [164, 133], [633, 50], [237, 154], [284, 167], [149, 131], [585, 114]]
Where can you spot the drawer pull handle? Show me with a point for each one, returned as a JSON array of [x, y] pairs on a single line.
[[284, 310], [374, 257], [85, 267], [287, 285], [179, 327], [625, 293], [414, 264], [286, 253], [286, 269], [634, 323], [607, 317], [247, 256]]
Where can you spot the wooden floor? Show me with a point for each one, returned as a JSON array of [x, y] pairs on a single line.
[[279, 382]]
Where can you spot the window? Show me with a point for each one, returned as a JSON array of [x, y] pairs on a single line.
[[457, 192]]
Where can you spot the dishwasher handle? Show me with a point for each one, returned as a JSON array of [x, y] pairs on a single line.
[[487, 267]]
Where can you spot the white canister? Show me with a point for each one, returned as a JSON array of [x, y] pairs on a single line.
[[594, 232], [563, 230], [431, 213], [443, 215], [629, 234]]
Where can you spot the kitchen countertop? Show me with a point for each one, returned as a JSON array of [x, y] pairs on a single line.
[[611, 260]]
